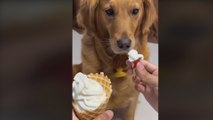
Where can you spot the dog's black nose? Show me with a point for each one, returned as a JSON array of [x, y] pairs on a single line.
[[124, 44]]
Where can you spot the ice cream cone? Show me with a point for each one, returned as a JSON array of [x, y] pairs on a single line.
[[105, 82]]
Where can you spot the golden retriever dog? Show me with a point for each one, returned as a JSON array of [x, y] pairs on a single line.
[[112, 28]]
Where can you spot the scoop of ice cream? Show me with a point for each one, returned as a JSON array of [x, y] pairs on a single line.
[[133, 55], [87, 94]]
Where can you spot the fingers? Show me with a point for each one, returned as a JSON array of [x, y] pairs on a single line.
[[146, 71], [148, 66], [139, 85], [145, 76], [74, 116], [151, 68], [140, 88], [107, 115]]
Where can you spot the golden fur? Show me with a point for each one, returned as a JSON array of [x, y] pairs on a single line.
[[99, 50]]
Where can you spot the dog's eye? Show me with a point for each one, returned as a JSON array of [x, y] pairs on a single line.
[[135, 11], [109, 12]]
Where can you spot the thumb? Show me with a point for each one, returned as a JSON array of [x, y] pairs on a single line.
[[107, 115], [145, 76]]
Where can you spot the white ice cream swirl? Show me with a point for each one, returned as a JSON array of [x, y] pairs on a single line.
[[133, 55], [87, 94]]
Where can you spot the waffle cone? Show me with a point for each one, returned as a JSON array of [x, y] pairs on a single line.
[[105, 82]]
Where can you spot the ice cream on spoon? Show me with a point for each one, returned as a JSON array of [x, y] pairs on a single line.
[[134, 57]]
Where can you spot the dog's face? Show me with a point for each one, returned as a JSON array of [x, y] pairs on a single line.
[[121, 18], [118, 21]]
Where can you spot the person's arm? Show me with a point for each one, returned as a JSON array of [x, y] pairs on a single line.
[[148, 73], [146, 81]]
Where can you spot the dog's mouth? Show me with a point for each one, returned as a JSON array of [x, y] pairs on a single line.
[[116, 50]]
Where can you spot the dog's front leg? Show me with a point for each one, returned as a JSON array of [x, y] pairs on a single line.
[[132, 108]]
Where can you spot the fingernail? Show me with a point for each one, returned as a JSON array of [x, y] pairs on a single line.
[[140, 66], [110, 113], [139, 63]]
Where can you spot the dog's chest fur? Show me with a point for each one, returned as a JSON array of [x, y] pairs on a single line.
[[93, 61]]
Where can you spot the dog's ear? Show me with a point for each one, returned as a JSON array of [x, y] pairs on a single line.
[[86, 15], [150, 16]]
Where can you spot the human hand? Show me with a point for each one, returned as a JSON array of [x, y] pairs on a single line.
[[146, 81], [74, 116], [107, 115]]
